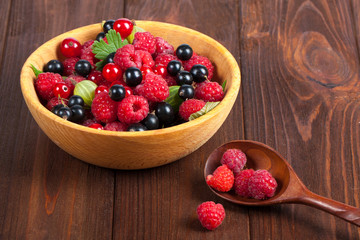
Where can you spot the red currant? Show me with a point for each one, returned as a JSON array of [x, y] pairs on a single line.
[[101, 88], [70, 47], [160, 70], [61, 90], [123, 26], [96, 126], [96, 77], [111, 72], [145, 69]]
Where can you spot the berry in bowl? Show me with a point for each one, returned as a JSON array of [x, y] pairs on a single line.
[[131, 97]]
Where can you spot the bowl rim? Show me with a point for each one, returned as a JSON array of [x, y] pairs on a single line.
[[232, 88]]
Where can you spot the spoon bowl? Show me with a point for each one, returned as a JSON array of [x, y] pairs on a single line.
[[290, 188]]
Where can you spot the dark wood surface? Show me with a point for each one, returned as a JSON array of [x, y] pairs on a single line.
[[299, 62]]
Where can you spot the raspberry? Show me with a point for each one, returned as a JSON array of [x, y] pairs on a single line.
[[103, 108], [133, 109], [164, 59], [235, 159], [45, 83], [87, 54], [69, 65], [262, 185], [55, 101], [209, 92], [89, 122], [189, 107], [75, 78], [162, 46], [154, 88], [125, 57], [116, 126], [170, 80], [144, 41], [97, 77], [146, 58], [241, 183], [222, 179], [197, 59], [88, 44], [210, 214]]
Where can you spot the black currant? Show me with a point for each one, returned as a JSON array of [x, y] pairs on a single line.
[[77, 113], [54, 66], [110, 58], [151, 122], [100, 36], [83, 67], [165, 113], [184, 52], [117, 92], [186, 91], [75, 100], [133, 76], [64, 112], [136, 127], [173, 67], [56, 108], [184, 77], [199, 73], [108, 25]]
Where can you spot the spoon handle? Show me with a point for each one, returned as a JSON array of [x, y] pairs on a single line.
[[341, 210]]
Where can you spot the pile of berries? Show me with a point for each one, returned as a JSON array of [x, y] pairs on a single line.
[[144, 84]]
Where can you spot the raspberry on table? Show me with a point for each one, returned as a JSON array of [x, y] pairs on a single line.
[[210, 215], [241, 183], [132, 109], [162, 46], [197, 59], [222, 179], [104, 108], [262, 185], [189, 107], [154, 88], [69, 65], [164, 59], [209, 91], [116, 126], [235, 159], [144, 41], [45, 83]]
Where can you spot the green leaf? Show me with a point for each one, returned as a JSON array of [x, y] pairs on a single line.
[[99, 65], [101, 49], [173, 99], [35, 70], [223, 86], [207, 108]]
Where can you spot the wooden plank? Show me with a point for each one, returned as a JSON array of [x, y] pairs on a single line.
[[161, 203], [300, 68], [4, 17], [44, 192]]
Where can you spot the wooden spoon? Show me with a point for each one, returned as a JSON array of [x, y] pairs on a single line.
[[290, 188]]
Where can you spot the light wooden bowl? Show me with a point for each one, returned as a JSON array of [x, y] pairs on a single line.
[[134, 150]]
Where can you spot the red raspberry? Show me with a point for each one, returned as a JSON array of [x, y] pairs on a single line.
[[133, 109], [241, 184], [146, 58], [210, 214], [55, 101], [104, 108], [262, 185], [162, 46], [144, 41], [197, 59], [45, 83], [69, 65], [209, 91], [235, 159], [189, 107], [89, 122], [116, 126], [164, 59], [154, 88], [222, 179], [88, 44], [75, 78], [170, 80], [87, 54], [97, 77], [125, 57]]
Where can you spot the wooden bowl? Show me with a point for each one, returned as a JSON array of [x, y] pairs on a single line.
[[134, 150]]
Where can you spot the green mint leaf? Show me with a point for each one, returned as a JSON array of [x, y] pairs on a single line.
[[207, 108], [35, 70], [173, 99], [101, 49], [99, 65], [223, 86]]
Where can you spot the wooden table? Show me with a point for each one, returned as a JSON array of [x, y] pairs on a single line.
[[299, 94]]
